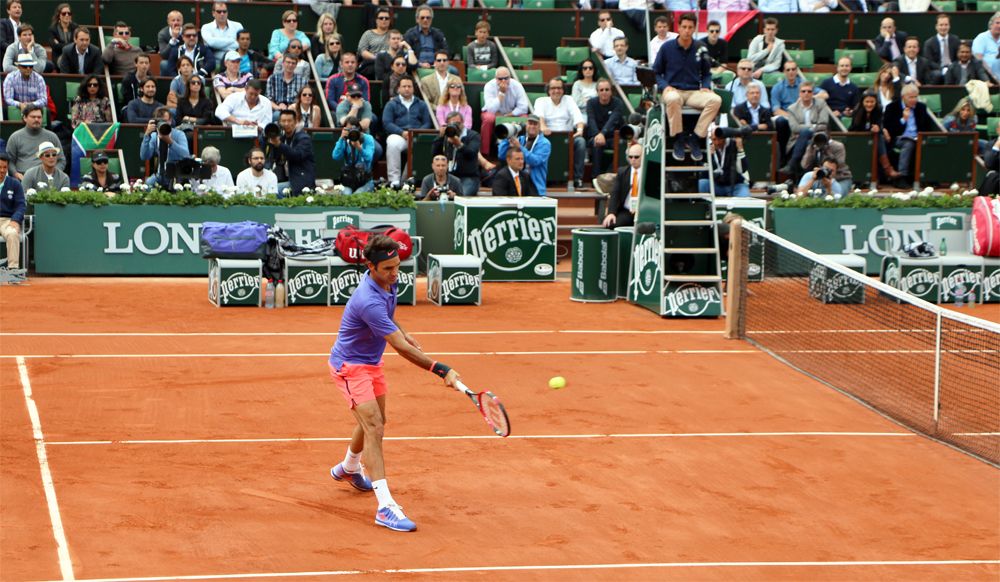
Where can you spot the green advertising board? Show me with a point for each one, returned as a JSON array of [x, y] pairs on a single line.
[[165, 240], [752, 210], [515, 237], [594, 272], [858, 231], [645, 280]]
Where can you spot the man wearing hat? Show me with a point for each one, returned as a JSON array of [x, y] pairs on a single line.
[[25, 87], [537, 149], [23, 144], [231, 80], [46, 176], [356, 106], [100, 177]]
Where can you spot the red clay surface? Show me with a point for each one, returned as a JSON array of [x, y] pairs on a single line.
[[269, 507]]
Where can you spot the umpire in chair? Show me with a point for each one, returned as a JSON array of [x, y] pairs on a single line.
[[628, 180]]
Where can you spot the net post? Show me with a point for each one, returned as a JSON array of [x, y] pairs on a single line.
[[937, 368], [736, 277]]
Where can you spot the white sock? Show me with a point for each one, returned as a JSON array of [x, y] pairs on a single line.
[[382, 493], [352, 461]]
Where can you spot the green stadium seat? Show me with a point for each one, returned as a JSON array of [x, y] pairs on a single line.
[[987, 5], [72, 87], [995, 100], [727, 100], [932, 101], [989, 127], [724, 78], [859, 58], [422, 72], [771, 79], [529, 76], [863, 80], [816, 78], [539, 4], [744, 53], [520, 56], [945, 5], [134, 41], [806, 59], [475, 75], [534, 95], [571, 56], [14, 114], [494, 3], [634, 99]]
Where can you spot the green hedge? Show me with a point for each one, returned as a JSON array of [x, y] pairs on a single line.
[[935, 200]]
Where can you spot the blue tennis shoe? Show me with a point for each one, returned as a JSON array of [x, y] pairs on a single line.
[[357, 480], [392, 517]]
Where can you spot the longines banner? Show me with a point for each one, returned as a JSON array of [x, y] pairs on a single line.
[[165, 240], [860, 231]]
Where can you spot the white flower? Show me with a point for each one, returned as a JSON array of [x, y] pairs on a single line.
[[954, 186], [286, 190], [87, 186], [406, 188], [109, 194], [202, 188], [143, 187], [178, 187], [785, 195], [857, 191], [339, 189], [43, 185], [974, 192], [310, 199], [30, 192], [872, 192], [126, 188], [64, 189], [828, 198], [837, 196], [100, 189], [306, 190]]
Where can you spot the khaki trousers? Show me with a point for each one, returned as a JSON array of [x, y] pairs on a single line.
[[13, 237], [707, 101]]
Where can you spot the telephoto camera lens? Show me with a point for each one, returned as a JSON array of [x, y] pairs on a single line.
[[508, 130], [451, 130], [164, 128], [822, 173], [354, 135]]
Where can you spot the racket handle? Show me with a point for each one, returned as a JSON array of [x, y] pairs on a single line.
[[461, 387]]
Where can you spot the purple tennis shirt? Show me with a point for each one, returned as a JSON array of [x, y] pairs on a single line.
[[367, 320]]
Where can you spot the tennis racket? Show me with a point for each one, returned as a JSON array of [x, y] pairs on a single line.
[[490, 407]]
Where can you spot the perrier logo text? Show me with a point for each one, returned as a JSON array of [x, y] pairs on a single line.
[[238, 287], [521, 234], [459, 285]]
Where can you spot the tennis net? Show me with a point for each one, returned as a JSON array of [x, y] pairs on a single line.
[[930, 369]]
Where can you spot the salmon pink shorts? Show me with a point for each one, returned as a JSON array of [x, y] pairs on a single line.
[[359, 382]]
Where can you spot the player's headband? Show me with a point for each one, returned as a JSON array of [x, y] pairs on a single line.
[[380, 256]]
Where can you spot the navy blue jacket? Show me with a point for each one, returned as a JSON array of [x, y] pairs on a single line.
[[396, 118], [12, 202], [204, 59], [412, 37], [683, 69], [301, 162]]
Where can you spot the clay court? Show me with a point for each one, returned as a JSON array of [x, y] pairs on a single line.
[[183, 440]]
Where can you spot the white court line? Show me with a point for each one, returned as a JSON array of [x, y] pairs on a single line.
[[334, 333], [489, 437], [829, 564], [393, 354], [62, 548]]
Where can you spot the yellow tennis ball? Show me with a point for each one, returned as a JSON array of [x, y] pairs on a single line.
[[557, 382]]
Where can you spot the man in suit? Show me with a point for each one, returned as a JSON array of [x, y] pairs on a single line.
[[942, 48], [914, 68], [805, 117], [436, 84], [751, 113], [202, 56], [513, 180], [889, 42], [904, 119], [9, 25], [80, 57], [965, 68], [628, 180]]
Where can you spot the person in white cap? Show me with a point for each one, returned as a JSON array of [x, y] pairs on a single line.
[[25, 87], [46, 176], [220, 34], [230, 80]]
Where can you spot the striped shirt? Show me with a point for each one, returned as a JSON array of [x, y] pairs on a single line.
[[17, 89]]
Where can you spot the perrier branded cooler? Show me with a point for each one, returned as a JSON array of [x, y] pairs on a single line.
[[234, 283], [307, 282], [515, 237], [345, 277]]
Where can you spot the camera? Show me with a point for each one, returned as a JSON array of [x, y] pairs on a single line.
[[645, 75], [822, 174], [634, 128], [271, 131], [164, 128], [451, 130], [727, 132], [777, 188], [354, 135], [187, 169], [508, 130]]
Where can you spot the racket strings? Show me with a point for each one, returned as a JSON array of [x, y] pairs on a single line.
[[494, 413]]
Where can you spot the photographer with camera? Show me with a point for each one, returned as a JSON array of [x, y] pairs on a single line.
[[730, 168], [460, 147], [356, 149], [164, 142], [537, 148], [820, 182], [291, 148], [823, 147], [256, 179], [439, 182]]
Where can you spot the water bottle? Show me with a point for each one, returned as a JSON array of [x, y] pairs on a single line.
[[280, 296], [944, 248], [269, 295], [972, 300], [960, 296], [443, 200]]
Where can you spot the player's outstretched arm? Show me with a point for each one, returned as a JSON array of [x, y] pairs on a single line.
[[399, 342]]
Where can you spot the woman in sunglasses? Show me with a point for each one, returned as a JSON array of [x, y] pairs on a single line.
[[328, 63], [280, 37], [305, 104], [585, 86], [91, 104], [62, 29], [196, 108], [178, 86], [326, 28]]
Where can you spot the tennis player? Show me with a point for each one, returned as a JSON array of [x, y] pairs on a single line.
[[356, 367]]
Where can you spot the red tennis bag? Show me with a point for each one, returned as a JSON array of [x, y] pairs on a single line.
[[351, 241], [986, 226]]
